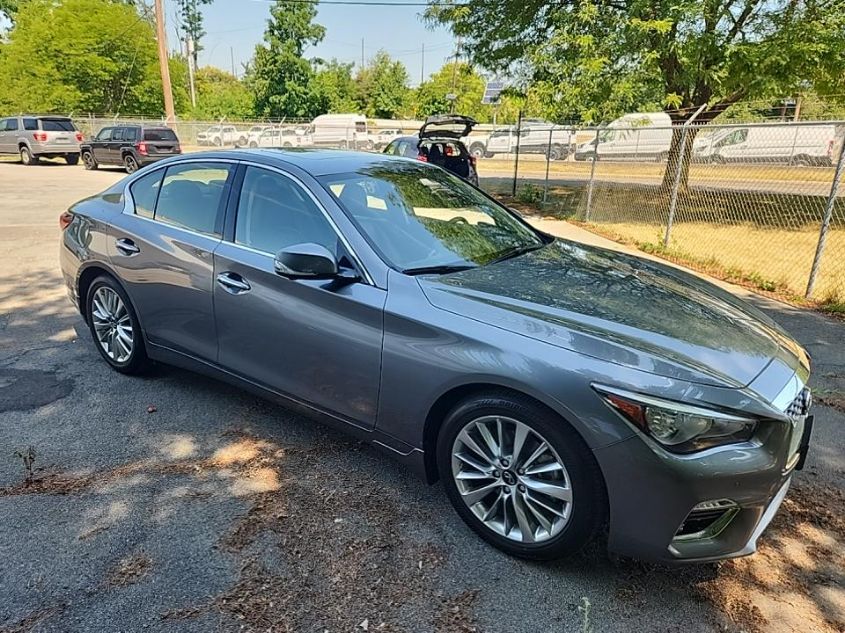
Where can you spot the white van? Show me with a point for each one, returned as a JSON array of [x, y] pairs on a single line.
[[341, 130], [637, 136], [789, 144], [534, 138]]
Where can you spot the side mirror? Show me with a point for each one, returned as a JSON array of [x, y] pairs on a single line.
[[306, 261]]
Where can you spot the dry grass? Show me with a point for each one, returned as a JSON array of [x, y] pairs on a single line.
[[777, 258]]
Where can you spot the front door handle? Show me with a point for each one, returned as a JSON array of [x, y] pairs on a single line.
[[233, 283], [127, 246]]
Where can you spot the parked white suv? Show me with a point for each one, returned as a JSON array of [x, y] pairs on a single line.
[[36, 137]]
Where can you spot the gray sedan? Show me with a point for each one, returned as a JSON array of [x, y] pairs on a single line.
[[554, 388]]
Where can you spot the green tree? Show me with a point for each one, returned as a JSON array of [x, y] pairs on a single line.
[[279, 76], [221, 95], [8, 9], [334, 86], [594, 59], [191, 14], [82, 56], [382, 87]]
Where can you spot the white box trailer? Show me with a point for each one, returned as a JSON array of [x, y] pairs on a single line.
[[797, 144], [341, 130]]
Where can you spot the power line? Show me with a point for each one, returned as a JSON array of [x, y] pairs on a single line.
[[373, 3]]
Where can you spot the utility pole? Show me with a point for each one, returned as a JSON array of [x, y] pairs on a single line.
[[422, 65], [362, 53], [189, 45], [167, 90], [232, 57]]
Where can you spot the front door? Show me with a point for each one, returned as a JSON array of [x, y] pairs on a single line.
[[163, 253], [316, 341], [100, 145]]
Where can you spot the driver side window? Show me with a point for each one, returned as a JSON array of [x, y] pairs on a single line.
[[274, 213]]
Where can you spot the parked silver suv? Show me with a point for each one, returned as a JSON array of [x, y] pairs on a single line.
[[37, 137]]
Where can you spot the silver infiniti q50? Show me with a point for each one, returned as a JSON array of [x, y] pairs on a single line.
[[554, 388]]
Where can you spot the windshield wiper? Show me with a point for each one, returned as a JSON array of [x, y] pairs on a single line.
[[515, 252], [440, 269]]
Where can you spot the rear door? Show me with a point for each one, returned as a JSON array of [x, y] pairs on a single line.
[[160, 141], [61, 134], [315, 340], [162, 248]]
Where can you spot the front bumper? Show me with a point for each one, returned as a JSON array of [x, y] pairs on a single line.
[[652, 492]]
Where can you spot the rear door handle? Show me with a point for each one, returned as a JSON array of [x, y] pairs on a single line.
[[233, 283], [126, 246]]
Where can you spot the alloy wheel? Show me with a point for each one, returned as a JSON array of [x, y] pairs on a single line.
[[512, 479], [112, 324]]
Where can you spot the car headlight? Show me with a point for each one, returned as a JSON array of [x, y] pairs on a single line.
[[679, 427]]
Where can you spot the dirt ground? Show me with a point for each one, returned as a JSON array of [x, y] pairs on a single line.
[[176, 503]]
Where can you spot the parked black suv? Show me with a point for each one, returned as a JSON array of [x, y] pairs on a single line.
[[439, 143], [132, 146]]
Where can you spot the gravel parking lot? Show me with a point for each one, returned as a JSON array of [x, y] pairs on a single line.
[[177, 503]]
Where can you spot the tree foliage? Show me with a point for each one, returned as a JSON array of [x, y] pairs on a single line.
[[221, 95], [82, 56], [382, 87], [334, 86], [280, 76], [191, 13], [596, 59]]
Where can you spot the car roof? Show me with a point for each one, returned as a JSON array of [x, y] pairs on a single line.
[[317, 162]]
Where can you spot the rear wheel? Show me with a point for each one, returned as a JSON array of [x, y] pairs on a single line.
[[89, 161], [27, 157], [555, 152], [72, 159], [520, 477], [114, 327], [130, 164], [477, 150]]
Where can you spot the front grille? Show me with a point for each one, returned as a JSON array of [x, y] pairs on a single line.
[[800, 406]]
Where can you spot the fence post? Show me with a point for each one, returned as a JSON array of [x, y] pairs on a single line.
[[548, 160], [592, 176], [828, 215], [516, 162], [673, 201]]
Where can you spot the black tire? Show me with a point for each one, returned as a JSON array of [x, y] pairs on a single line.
[[253, 144], [242, 140], [130, 164], [89, 161], [27, 157], [72, 159], [555, 152], [589, 506], [218, 142], [138, 360], [477, 150]]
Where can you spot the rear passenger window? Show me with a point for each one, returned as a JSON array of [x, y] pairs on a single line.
[[11, 125], [30, 124], [191, 196], [144, 193]]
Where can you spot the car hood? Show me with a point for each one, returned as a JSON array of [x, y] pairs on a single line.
[[620, 309]]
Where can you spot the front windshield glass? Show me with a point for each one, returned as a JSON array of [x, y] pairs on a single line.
[[418, 216]]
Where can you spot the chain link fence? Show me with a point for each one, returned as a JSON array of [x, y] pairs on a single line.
[[759, 203]]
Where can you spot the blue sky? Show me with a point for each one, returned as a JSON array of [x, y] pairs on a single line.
[[399, 30]]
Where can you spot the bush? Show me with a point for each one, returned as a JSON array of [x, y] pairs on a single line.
[[529, 193]]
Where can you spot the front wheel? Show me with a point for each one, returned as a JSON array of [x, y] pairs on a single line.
[[27, 157], [520, 477], [114, 327], [555, 152], [89, 161]]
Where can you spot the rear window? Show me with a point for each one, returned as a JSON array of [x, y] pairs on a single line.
[[159, 135], [57, 125]]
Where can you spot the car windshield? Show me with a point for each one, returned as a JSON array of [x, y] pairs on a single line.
[[420, 217]]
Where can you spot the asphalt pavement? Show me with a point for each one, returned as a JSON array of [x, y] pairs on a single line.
[[174, 502]]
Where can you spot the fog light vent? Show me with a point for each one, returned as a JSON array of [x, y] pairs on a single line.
[[707, 519]]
